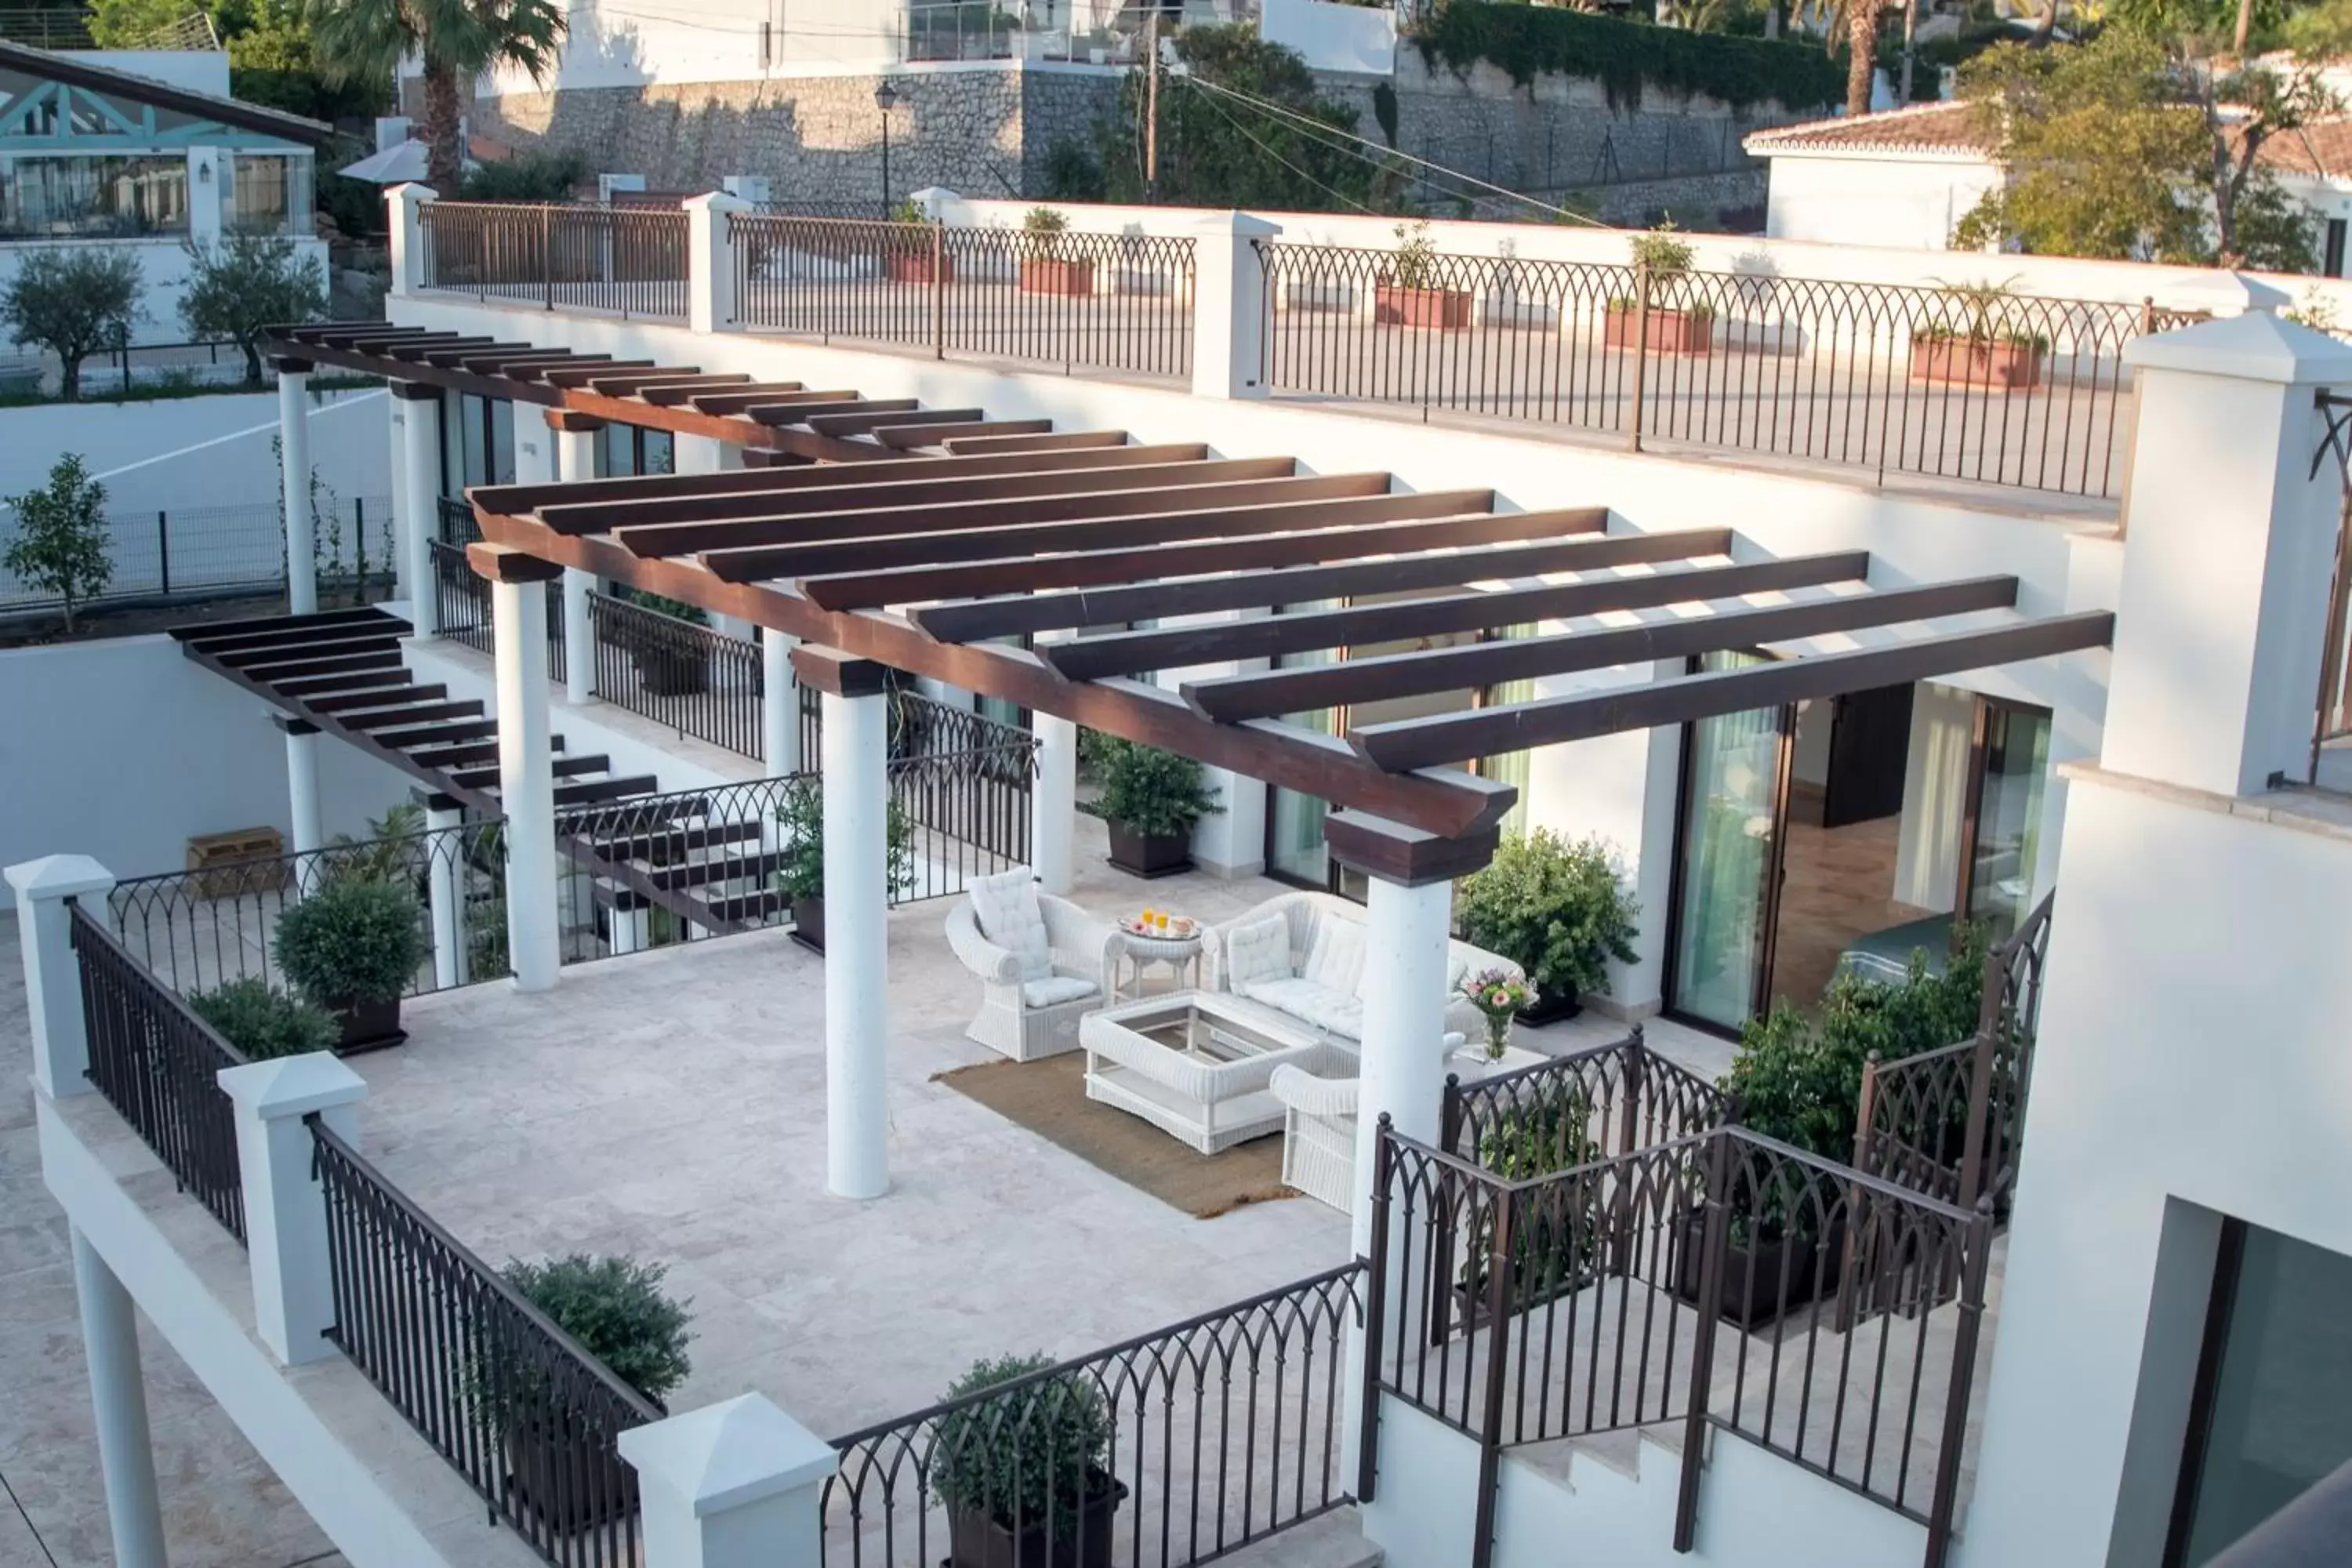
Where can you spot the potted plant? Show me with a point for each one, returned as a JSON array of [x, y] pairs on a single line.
[[670, 663], [1980, 348], [353, 948], [1499, 996], [1151, 798], [910, 249], [263, 1022], [1412, 292], [1558, 1228], [799, 876], [1685, 327], [1557, 910], [1044, 268], [1018, 1461], [618, 1311]]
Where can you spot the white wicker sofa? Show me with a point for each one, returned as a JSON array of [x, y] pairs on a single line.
[[1040, 970], [1313, 968]]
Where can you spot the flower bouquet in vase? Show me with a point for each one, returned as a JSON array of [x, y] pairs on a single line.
[[1499, 996]]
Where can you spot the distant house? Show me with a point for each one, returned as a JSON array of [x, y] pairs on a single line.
[[145, 150], [1906, 177]]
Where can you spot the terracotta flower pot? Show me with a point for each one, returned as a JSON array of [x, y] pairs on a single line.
[[1671, 331], [1439, 310], [1149, 854], [1052, 275], [914, 267], [1970, 361]]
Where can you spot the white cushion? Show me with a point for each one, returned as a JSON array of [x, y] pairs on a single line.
[[1006, 907], [1258, 950], [1055, 989], [1317, 1005], [1335, 961]]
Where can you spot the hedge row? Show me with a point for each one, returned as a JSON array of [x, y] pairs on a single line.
[[1528, 41]]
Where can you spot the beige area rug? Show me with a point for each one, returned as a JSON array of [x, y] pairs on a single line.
[[1049, 1097]]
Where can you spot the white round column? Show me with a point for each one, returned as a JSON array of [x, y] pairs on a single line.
[[526, 762], [856, 995], [420, 498], [302, 796], [1053, 803], [780, 705], [294, 474], [445, 888], [118, 1392]]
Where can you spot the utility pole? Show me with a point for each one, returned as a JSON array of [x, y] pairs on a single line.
[[1911, 44], [2245, 21], [1151, 104]]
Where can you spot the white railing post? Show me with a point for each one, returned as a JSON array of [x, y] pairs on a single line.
[[404, 228], [52, 978], [710, 263], [734, 1485], [1228, 304], [285, 1211]]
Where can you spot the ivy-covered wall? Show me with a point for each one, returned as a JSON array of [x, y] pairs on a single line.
[[1628, 57]]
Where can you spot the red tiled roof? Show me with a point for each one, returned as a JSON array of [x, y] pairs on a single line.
[[1921, 128], [2323, 147]]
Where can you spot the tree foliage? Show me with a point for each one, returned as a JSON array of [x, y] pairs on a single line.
[[2122, 149], [273, 61], [243, 283], [458, 40], [60, 542], [74, 301], [1628, 57]]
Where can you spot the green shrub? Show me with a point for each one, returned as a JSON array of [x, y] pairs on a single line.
[[1553, 907], [1628, 57], [800, 816], [1158, 794], [264, 1022], [352, 942], [1024, 1455], [1662, 252], [535, 176], [615, 1308]]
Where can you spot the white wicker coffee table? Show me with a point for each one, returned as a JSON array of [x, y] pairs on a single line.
[[1195, 1064], [1132, 952]]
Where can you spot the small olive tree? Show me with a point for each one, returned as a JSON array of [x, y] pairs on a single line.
[[75, 302], [245, 282], [58, 540]]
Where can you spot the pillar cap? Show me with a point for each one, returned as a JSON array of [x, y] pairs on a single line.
[[1391, 852], [411, 192], [838, 674], [2257, 346], [718, 202], [58, 877], [727, 1455], [505, 564], [292, 1086], [1240, 224]]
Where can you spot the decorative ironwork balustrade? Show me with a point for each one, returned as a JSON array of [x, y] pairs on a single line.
[[1573, 1109], [700, 682], [628, 261], [461, 604]]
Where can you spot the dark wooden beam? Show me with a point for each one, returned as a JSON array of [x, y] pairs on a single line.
[[205, 632], [384, 657], [411, 713], [1144, 564], [304, 689], [1232, 699], [1126, 653], [502, 563], [567, 378], [769, 395], [358, 637], [452, 356], [671, 394], [900, 437], [626, 382], [836, 673], [1522, 726], [1407, 857], [1016, 614], [1049, 441], [525, 366], [372, 698], [798, 413], [861, 424]]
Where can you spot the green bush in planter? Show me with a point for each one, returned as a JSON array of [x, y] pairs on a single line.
[[1033, 1449], [800, 813], [352, 942], [1157, 793], [614, 1307], [1553, 907], [264, 1022], [1557, 1230]]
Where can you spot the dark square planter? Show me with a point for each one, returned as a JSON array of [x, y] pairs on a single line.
[[808, 923], [572, 1486], [1550, 1007], [1149, 854], [671, 671], [1751, 1307], [369, 1026], [977, 1541]]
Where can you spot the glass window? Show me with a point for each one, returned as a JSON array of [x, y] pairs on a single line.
[[104, 197], [502, 468], [1734, 773], [2008, 817], [270, 193], [658, 452], [473, 442], [2278, 1412]]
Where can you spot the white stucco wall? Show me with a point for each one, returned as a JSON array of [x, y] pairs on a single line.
[[162, 264], [1331, 36], [197, 451], [1908, 203]]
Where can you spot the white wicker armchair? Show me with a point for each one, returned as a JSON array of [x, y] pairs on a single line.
[[1318, 1132], [1028, 1020]]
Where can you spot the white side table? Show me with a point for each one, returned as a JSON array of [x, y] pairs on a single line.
[[1132, 954]]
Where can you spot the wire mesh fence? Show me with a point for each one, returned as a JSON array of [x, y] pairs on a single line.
[[218, 551]]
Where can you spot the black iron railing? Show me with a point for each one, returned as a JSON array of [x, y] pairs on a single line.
[[515, 1405], [1572, 1109], [1212, 1434], [459, 526], [156, 1062], [197, 930], [629, 260], [657, 869], [1107, 301], [1720, 1279], [698, 681], [461, 603], [1969, 381]]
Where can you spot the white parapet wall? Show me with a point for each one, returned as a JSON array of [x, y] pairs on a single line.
[[164, 268], [192, 452], [1333, 36]]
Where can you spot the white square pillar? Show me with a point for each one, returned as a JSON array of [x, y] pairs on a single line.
[[857, 981], [405, 230], [2229, 548], [420, 499], [732, 1485], [1229, 305], [294, 478], [710, 263], [285, 1212], [1053, 803], [52, 974], [526, 761], [118, 1394]]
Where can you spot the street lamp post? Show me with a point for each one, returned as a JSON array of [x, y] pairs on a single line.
[[886, 98]]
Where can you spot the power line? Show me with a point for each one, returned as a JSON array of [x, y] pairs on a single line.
[[1335, 195]]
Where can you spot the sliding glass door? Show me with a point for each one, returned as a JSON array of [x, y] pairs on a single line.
[[2014, 763], [1730, 834]]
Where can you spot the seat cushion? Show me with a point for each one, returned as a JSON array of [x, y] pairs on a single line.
[[1056, 989], [1006, 907], [1341, 1015], [1335, 959], [1258, 950]]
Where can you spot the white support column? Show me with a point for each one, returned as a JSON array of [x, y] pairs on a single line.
[[52, 975], [285, 1212], [779, 704], [734, 1485], [1228, 304], [1053, 803], [420, 496], [526, 762], [446, 889], [856, 984], [294, 476], [404, 570], [118, 1392], [302, 792], [404, 228], [575, 436], [631, 930], [710, 263]]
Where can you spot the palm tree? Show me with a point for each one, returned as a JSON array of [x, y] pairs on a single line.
[[1862, 57], [458, 40]]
